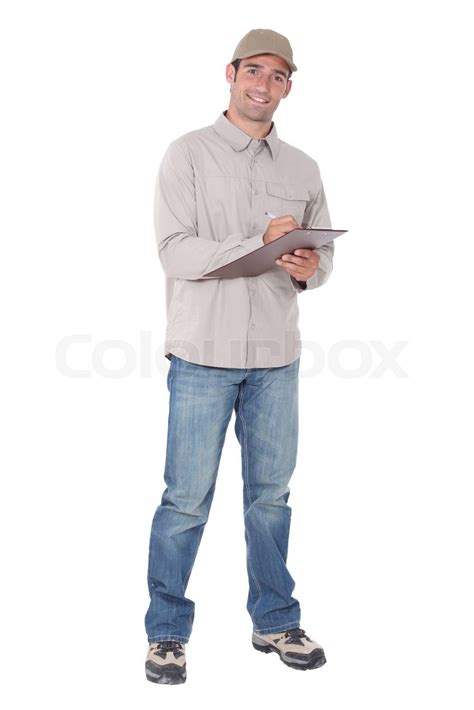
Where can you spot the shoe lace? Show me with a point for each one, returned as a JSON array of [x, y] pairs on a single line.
[[169, 645], [296, 634]]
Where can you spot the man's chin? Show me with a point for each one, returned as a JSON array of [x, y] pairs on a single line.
[[257, 115]]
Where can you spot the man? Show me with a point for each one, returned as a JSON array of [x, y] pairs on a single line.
[[234, 346]]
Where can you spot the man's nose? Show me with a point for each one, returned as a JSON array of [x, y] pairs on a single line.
[[264, 83]]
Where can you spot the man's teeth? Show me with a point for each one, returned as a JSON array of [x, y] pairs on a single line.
[[255, 98]]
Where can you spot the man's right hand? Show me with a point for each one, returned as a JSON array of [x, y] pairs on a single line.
[[279, 226]]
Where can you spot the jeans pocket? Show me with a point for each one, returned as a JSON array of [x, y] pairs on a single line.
[[170, 373], [294, 368]]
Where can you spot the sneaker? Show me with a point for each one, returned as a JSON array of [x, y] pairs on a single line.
[[295, 649], [166, 662]]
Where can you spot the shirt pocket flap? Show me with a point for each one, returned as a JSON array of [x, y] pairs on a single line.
[[288, 192]]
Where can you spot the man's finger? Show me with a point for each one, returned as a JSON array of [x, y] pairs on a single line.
[[284, 219], [291, 266], [295, 259], [306, 253], [287, 260]]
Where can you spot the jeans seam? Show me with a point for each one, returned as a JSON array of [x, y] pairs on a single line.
[[168, 637], [276, 629], [245, 458]]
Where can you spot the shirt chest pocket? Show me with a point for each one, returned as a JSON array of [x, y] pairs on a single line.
[[284, 199]]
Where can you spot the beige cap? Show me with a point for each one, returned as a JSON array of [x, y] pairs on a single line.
[[265, 42]]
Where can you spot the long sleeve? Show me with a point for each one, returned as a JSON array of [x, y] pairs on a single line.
[[184, 251], [317, 217]]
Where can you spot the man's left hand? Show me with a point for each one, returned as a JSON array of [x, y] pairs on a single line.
[[301, 265]]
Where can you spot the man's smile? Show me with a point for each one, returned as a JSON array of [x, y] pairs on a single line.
[[258, 99]]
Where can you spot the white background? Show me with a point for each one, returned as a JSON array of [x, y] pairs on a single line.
[[92, 93]]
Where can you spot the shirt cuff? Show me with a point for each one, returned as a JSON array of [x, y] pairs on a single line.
[[298, 285]]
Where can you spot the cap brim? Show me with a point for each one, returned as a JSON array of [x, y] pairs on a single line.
[[254, 52]]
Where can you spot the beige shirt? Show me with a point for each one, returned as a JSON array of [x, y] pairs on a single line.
[[213, 188]]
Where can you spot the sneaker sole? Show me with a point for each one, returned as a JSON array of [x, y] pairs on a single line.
[[315, 660], [168, 675]]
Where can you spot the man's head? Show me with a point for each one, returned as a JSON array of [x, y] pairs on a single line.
[[260, 69]]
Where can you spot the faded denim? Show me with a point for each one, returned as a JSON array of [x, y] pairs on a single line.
[[202, 399]]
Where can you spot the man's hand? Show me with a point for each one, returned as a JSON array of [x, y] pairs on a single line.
[[304, 262], [279, 226], [301, 265]]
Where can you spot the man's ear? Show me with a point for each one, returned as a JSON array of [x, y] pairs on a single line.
[[289, 84], [230, 73]]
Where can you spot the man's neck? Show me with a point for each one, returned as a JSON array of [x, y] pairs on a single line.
[[254, 129]]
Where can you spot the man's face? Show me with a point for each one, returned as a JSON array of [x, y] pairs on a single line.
[[264, 77]]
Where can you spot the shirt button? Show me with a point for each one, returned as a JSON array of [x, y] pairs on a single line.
[[252, 325]]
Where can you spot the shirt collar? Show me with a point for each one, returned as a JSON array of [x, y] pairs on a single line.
[[240, 140]]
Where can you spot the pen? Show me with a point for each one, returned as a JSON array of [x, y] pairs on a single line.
[[269, 214]]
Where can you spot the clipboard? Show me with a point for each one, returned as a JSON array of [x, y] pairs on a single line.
[[263, 258]]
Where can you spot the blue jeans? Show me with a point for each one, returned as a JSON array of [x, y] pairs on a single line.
[[202, 399]]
